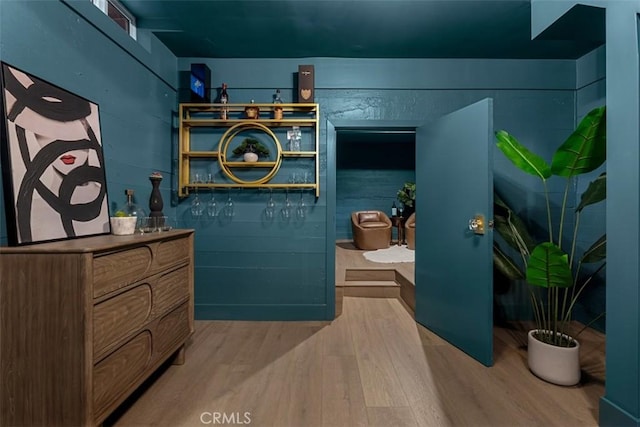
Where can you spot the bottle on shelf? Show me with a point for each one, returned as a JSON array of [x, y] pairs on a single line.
[[131, 209], [277, 110], [394, 209], [224, 99]]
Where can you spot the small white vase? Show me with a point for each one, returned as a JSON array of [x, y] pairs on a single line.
[[557, 365], [250, 157]]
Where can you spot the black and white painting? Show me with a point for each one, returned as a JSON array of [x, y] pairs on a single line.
[[52, 161]]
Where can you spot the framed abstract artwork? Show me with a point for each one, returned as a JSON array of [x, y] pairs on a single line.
[[52, 161]]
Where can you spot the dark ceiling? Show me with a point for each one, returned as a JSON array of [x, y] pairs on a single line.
[[356, 29]]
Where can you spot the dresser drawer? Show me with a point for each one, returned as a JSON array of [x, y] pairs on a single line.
[[129, 311], [170, 253], [169, 289], [116, 270], [172, 330], [117, 317], [113, 375]]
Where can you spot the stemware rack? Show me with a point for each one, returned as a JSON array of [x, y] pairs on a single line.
[[208, 134]]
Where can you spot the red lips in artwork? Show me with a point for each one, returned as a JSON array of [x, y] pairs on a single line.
[[68, 159]]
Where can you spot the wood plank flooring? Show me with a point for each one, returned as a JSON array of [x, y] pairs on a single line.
[[371, 366], [348, 257]]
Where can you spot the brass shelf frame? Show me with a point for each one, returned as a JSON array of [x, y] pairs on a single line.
[[192, 115]]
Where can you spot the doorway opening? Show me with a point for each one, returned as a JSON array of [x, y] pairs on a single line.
[[372, 164]]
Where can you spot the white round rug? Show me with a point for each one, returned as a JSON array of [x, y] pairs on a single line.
[[391, 254]]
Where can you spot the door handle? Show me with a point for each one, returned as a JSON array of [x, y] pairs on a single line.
[[476, 224]]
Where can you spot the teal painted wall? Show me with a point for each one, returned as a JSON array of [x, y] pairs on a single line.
[[622, 390], [246, 269], [621, 404], [75, 46], [366, 189]]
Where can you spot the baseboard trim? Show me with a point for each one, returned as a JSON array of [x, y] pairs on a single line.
[[611, 415], [261, 312]]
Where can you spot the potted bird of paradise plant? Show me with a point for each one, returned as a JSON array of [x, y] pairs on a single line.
[[552, 269]]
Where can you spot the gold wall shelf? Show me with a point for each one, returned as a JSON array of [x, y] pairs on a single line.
[[221, 135]]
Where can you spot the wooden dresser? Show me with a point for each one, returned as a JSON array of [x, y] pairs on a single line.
[[84, 322]]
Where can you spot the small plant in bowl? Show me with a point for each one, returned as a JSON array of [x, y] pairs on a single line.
[[251, 149], [123, 224]]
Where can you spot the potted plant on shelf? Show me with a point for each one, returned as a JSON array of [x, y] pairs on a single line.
[[407, 196], [551, 269], [251, 149]]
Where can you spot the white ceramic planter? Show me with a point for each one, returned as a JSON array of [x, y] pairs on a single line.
[[250, 157], [123, 225], [557, 365]]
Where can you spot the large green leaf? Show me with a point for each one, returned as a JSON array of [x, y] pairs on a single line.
[[521, 157], [505, 264], [510, 226], [597, 251], [585, 149], [596, 192], [549, 267]]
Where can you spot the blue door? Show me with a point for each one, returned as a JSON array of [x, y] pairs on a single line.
[[454, 264]]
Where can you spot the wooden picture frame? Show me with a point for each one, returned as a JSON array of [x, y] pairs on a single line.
[[52, 161]]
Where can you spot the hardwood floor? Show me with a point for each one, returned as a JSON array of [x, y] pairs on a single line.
[[371, 366], [349, 258]]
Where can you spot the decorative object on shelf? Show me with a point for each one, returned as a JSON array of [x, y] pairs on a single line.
[[52, 157], [294, 136], [224, 99], [277, 107], [251, 149], [146, 225], [305, 83], [227, 166], [155, 199], [155, 224], [407, 196], [554, 275], [200, 83], [123, 224], [131, 217], [130, 208], [252, 111]]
